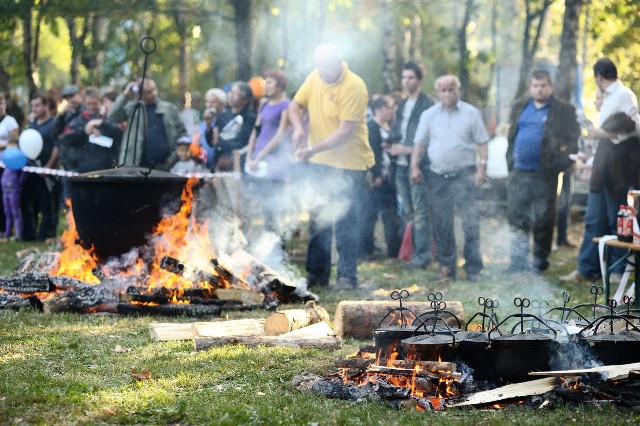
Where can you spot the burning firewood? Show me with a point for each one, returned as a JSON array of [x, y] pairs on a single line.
[[193, 274], [293, 319], [358, 319], [81, 299], [16, 302]]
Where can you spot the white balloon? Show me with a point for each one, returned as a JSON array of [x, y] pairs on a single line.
[[30, 143]]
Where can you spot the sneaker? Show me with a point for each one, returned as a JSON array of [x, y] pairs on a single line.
[[576, 277], [445, 275], [345, 283], [566, 244]]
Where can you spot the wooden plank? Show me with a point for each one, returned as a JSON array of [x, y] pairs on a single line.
[[332, 343], [516, 390], [163, 331], [248, 297], [241, 327], [319, 329], [613, 372]]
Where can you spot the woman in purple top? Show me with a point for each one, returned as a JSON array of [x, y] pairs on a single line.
[[273, 121], [12, 182], [270, 154]]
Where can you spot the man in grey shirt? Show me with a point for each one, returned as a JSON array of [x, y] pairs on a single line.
[[453, 136]]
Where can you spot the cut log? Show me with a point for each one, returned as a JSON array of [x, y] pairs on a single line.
[[161, 300], [332, 343], [170, 310], [163, 331], [16, 302], [319, 329], [355, 363], [358, 319], [80, 300], [260, 276], [516, 390], [26, 283], [247, 297], [243, 327], [612, 372], [63, 282], [292, 319]]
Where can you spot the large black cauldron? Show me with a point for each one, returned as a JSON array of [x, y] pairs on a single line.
[[114, 209]]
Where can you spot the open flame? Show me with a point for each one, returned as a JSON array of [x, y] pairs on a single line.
[[179, 236]]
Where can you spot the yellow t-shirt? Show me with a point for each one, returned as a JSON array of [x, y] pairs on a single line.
[[328, 104]]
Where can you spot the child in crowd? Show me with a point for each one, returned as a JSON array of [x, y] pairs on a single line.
[[186, 163], [12, 181]]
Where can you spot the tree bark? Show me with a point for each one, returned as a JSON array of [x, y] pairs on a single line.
[[568, 50], [463, 50], [389, 68], [293, 319], [179, 19], [242, 25], [534, 19], [28, 52]]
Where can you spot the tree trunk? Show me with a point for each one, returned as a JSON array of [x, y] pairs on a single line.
[[27, 52], [182, 51], [242, 24], [534, 19], [293, 319], [389, 69], [74, 69], [463, 50], [568, 50]]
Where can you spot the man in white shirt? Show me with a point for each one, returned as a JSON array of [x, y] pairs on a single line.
[[603, 204]]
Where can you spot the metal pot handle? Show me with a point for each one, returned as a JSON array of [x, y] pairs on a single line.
[[603, 318]]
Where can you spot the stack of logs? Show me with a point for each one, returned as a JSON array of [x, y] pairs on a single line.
[[227, 287]]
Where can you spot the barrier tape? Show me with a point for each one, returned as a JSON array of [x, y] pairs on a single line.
[[66, 173]]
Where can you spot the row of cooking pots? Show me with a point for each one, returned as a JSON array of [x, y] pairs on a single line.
[[538, 345]]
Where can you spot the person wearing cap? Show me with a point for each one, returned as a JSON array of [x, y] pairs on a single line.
[[72, 95], [186, 163], [154, 128]]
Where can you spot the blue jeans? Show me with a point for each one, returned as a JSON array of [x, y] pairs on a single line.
[[344, 191], [599, 220], [416, 209]]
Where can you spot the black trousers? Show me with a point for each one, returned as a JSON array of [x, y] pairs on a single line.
[[531, 208]]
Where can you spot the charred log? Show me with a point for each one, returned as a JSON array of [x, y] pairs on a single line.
[[40, 263], [16, 302], [195, 275], [80, 300], [355, 363], [63, 282], [161, 300], [170, 310], [26, 283]]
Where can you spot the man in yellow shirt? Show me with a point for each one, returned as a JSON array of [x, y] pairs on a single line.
[[338, 154]]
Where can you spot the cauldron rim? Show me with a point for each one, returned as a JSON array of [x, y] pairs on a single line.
[[127, 174]]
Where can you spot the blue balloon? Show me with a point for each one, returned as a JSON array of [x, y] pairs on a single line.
[[13, 158]]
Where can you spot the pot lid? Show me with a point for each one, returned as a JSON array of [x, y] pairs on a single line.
[[429, 339], [623, 336], [473, 336], [128, 173], [529, 337]]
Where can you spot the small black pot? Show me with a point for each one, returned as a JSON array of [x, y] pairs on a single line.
[[611, 348], [475, 351], [516, 355], [114, 209]]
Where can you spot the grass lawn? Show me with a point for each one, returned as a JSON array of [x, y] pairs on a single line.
[[65, 369]]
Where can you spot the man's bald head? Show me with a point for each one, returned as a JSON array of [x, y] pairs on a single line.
[[328, 62]]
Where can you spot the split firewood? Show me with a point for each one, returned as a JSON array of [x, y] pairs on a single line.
[[358, 319], [516, 390], [443, 367], [319, 329], [170, 309], [247, 297], [355, 363], [26, 283], [332, 343], [293, 319], [613, 372], [163, 332], [243, 327]]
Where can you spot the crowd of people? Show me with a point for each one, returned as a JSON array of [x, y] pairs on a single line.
[[407, 159]]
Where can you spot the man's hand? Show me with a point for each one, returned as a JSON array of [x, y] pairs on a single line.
[[303, 153], [91, 127], [416, 175], [399, 149], [481, 175], [131, 90], [297, 137]]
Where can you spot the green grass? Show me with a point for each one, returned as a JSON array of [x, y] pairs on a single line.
[[63, 369]]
